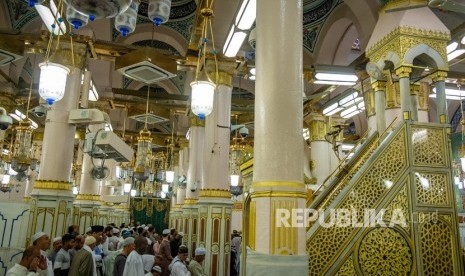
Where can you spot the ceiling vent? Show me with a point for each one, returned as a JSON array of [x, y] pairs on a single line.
[[151, 118], [146, 65]]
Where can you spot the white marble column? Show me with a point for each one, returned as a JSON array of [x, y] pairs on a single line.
[[51, 197], [87, 203], [403, 73], [215, 205], [380, 104], [278, 141], [441, 102]]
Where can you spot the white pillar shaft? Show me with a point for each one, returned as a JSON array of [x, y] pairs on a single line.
[[325, 160], [414, 107], [278, 92], [196, 157], [88, 185], [380, 106], [441, 102], [405, 100], [278, 147], [58, 143], [217, 134]]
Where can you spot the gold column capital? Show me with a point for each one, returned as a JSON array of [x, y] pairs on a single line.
[[439, 76], [196, 121], [378, 85], [224, 78], [403, 71], [215, 193], [414, 89]]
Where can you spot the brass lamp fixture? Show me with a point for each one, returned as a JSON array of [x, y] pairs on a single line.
[[23, 155], [235, 157], [203, 88], [144, 149]]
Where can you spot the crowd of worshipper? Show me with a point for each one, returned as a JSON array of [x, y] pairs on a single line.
[[110, 251]]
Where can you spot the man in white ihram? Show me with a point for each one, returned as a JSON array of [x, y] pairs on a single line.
[[134, 264]]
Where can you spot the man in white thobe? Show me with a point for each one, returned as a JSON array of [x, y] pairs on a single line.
[[28, 265], [42, 241], [134, 264], [178, 266]]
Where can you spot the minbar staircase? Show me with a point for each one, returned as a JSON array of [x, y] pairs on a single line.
[[394, 209]]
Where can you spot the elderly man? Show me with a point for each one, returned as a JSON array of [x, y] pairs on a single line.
[[41, 241], [28, 265], [83, 262], [195, 265], [56, 246], [120, 260], [134, 264], [178, 266]]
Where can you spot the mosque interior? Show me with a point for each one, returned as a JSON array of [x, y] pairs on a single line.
[[210, 116]]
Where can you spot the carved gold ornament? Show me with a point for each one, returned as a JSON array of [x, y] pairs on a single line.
[[384, 251]]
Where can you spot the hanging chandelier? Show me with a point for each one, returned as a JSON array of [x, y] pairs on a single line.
[[142, 165], [235, 157], [22, 157], [159, 11], [202, 94], [52, 82], [98, 9]]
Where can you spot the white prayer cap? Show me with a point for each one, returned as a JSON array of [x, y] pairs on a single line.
[[146, 228], [37, 236], [127, 241], [148, 261], [181, 234], [89, 229], [200, 251], [166, 231], [90, 240], [56, 239], [115, 230], [157, 269]]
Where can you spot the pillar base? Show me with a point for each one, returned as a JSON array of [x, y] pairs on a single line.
[[86, 211], [258, 264]]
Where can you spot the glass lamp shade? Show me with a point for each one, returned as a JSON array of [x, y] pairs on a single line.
[[234, 180], [52, 82], [97, 9], [133, 193], [169, 176], [159, 11], [202, 97], [6, 179], [125, 22], [76, 19], [75, 191], [165, 188], [163, 195], [127, 188]]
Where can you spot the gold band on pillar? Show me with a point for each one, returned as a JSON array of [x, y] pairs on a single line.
[[215, 193], [292, 194], [224, 79], [278, 184], [196, 121], [89, 197], [190, 201], [439, 76], [53, 185], [404, 71]]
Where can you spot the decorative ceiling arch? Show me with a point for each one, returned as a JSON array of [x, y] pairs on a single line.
[[340, 29]]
